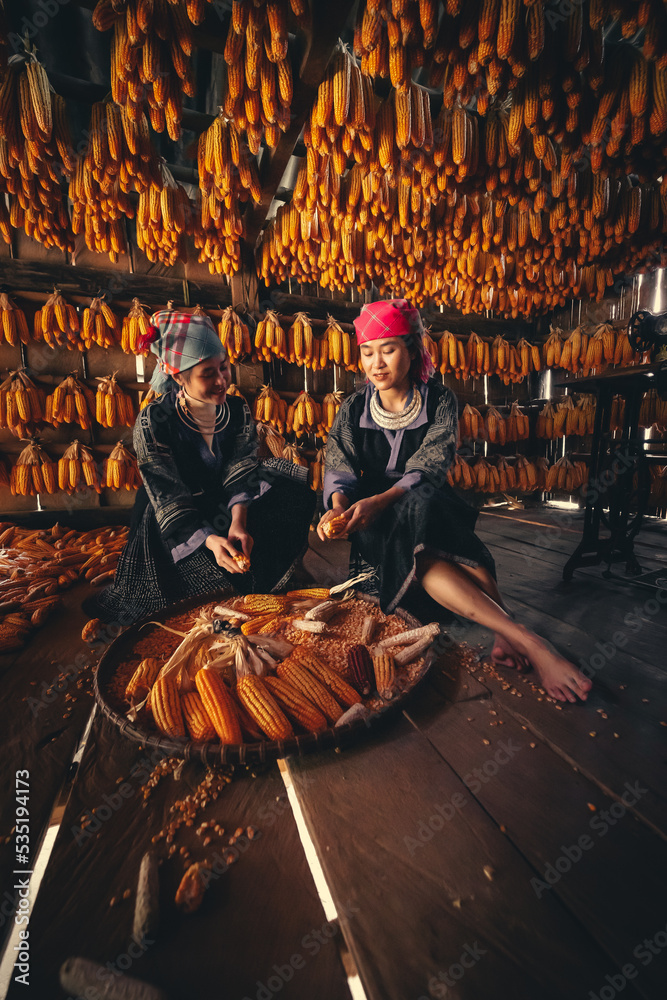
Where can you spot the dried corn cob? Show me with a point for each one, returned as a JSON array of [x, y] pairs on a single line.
[[340, 689], [361, 668], [258, 701], [219, 705], [196, 718], [142, 680], [313, 689], [295, 705], [166, 707], [385, 674]]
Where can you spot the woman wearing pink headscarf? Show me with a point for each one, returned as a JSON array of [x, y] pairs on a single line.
[[388, 455]]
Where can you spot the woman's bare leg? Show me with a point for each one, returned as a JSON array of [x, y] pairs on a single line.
[[454, 589], [503, 654]]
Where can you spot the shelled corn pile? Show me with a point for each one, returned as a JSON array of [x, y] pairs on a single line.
[[36, 566], [294, 663]]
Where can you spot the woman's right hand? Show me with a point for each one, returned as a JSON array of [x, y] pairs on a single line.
[[326, 517], [224, 553]]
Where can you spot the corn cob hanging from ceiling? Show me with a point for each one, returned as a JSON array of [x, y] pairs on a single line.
[[120, 470], [99, 325], [70, 402], [258, 95], [234, 335], [393, 38], [165, 215], [33, 473], [21, 404], [13, 324], [57, 323], [151, 48], [77, 470], [135, 325], [35, 152], [113, 406]]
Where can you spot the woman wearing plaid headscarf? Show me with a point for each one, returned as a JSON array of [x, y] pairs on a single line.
[[388, 455], [206, 500]]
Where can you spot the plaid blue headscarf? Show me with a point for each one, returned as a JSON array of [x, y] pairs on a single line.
[[180, 342]]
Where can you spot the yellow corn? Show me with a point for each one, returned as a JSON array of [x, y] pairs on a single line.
[[258, 701], [313, 689], [219, 705], [331, 679], [166, 707], [296, 705], [196, 718], [385, 673]]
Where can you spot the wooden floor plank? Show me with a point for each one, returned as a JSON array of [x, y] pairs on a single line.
[[414, 908], [544, 807], [259, 913], [35, 736]]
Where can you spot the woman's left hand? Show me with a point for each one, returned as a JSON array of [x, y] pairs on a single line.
[[363, 513], [240, 539]]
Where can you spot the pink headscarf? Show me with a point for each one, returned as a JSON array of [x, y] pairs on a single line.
[[394, 318]]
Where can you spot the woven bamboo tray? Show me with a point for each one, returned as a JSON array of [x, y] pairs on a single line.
[[265, 750]]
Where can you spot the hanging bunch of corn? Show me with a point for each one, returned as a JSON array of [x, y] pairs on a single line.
[[601, 347], [234, 335], [565, 418], [300, 341], [13, 325], [477, 356], [496, 428], [292, 454], [585, 415], [330, 407], [113, 407], [392, 39], [270, 338], [452, 354], [151, 48], [617, 416], [120, 470], [506, 475], [505, 360], [164, 217], [342, 119], [518, 424], [471, 424], [33, 473], [104, 177], [529, 355], [270, 408], [77, 470], [306, 415], [57, 323], [552, 349], [460, 474], [566, 475], [270, 441], [258, 95], [135, 325], [486, 476], [575, 349], [317, 470], [339, 342], [99, 325], [526, 474], [653, 411], [545, 422], [21, 404], [70, 402], [623, 353], [35, 152]]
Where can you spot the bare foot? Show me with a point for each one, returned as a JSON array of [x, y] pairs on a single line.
[[504, 654], [560, 678]]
